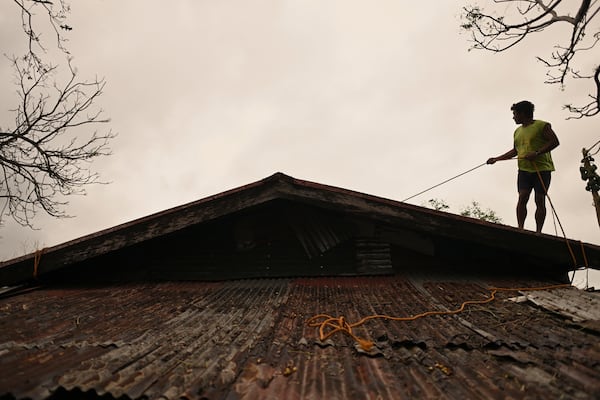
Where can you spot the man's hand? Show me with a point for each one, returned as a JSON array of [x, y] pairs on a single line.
[[506, 156]]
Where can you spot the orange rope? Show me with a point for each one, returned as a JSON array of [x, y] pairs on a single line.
[[556, 215], [340, 324]]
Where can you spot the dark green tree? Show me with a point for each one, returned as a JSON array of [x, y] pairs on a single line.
[[473, 210], [437, 204]]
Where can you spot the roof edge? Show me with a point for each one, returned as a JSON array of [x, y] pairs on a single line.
[[277, 185]]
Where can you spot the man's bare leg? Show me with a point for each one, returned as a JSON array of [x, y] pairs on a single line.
[[540, 212], [522, 207]]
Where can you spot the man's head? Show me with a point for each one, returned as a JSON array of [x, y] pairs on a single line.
[[522, 111]]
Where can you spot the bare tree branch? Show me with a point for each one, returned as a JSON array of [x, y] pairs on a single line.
[[494, 33], [47, 152], [56, 14], [593, 107]]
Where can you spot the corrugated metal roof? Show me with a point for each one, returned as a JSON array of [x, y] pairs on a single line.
[[249, 339]]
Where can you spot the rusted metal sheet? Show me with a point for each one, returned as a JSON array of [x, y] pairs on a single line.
[[249, 340], [585, 306]]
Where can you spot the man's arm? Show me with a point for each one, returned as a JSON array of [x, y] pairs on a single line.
[[506, 156], [551, 140], [551, 143]]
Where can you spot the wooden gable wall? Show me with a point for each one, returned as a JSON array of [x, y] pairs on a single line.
[[283, 238]]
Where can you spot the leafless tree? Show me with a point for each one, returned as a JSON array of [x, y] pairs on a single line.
[[46, 151], [521, 18]]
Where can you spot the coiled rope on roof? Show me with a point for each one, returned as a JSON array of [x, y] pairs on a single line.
[[340, 324]]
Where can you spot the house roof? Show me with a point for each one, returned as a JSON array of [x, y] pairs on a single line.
[[249, 339], [154, 309], [539, 251]]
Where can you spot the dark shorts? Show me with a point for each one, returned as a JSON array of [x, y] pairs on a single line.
[[531, 180]]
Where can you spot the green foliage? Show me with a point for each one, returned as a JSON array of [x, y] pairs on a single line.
[[473, 210], [588, 173], [437, 204]]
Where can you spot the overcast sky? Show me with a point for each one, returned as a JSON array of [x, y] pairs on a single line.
[[380, 97]]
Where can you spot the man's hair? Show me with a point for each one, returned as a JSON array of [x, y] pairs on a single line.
[[524, 107]]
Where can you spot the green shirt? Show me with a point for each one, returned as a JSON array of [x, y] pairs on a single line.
[[530, 138]]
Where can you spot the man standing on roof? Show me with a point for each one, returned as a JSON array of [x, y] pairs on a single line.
[[533, 141]]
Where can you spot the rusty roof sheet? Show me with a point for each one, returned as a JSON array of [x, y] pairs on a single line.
[[249, 339]]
